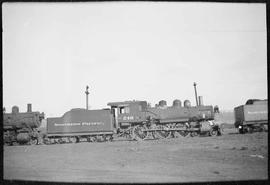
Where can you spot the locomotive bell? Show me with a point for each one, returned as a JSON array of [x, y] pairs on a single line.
[[15, 109], [177, 103], [187, 103]]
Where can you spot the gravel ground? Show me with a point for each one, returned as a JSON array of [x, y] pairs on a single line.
[[230, 157]]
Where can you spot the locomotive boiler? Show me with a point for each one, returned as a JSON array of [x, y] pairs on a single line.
[[21, 127]]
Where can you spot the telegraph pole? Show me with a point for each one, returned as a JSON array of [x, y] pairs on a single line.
[[86, 92], [195, 93]]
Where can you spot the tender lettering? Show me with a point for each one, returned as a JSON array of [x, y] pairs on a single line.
[[78, 124], [257, 112]]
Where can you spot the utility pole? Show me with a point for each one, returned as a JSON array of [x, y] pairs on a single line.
[[195, 93], [86, 92]]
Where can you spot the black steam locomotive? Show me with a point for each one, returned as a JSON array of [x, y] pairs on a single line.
[[21, 127], [135, 120]]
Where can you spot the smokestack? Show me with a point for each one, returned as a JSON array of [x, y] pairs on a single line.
[[200, 101], [195, 93], [29, 107], [86, 92]]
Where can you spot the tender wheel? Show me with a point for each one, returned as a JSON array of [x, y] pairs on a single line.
[[162, 134], [88, 139], [108, 138], [261, 128], [73, 139], [139, 133], [265, 128]]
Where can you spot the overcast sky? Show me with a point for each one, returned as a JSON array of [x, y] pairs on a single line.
[[132, 50]]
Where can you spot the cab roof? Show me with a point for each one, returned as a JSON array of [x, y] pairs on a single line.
[[125, 103]]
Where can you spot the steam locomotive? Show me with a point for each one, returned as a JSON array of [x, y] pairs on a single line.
[[21, 127], [135, 120]]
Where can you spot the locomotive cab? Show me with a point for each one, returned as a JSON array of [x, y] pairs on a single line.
[[127, 113]]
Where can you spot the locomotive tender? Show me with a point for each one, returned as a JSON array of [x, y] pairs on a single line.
[[253, 116], [79, 124], [132, 119], [21, 127]]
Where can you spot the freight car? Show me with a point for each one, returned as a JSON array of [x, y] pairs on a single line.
[[132, 119], [21, 127], [253, 116]]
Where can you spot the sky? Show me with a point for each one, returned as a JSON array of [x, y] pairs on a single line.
[[123, 51]]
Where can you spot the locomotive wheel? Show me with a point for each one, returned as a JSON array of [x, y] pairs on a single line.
[[46, 141], [93, 139], [33, 141], [183, 133], [139, 133], [154, 135], [213, 132], [162, 134], [193, 134]]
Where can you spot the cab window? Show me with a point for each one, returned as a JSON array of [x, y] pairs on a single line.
[[127, 110], [124, 110]]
